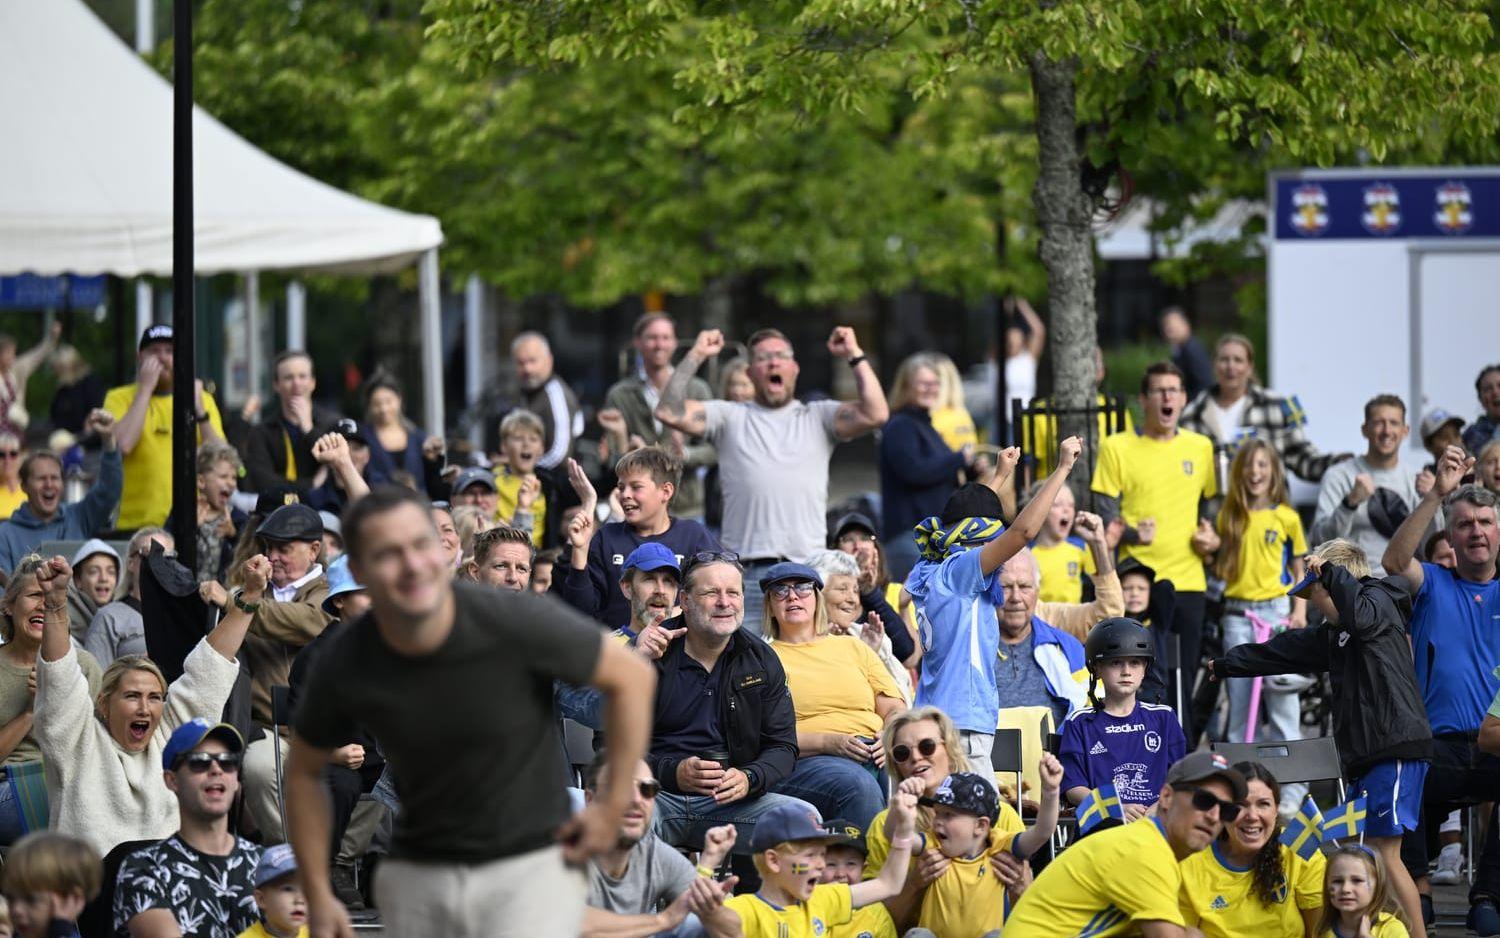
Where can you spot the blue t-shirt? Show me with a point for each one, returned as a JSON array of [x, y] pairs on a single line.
[[1132, 753], [1455, 636], [956, 606]]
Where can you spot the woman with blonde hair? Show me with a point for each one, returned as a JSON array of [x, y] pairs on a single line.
[[842, 695]]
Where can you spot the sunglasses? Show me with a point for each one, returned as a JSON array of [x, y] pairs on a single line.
[[9, 453], [198, 762], [801, 588], [1204, 800], [649, 788], [925, 748]]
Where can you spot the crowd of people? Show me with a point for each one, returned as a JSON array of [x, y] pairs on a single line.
[[658, 652]]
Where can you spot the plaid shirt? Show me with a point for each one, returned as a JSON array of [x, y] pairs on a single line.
[[1270, 417]]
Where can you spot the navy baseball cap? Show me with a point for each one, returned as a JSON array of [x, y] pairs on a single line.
[[966, 793], [474, 475], [190, 736], [842, 833], [853, 521], [161, 332], [787, 570], [788, 824], [275, 862], [652, 556]]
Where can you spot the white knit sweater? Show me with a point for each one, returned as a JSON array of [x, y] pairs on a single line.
[[97, 790]]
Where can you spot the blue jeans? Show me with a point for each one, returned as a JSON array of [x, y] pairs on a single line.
[[682, 820], [837, 787]]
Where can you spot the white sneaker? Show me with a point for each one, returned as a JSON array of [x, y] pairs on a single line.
[[1449, 865]]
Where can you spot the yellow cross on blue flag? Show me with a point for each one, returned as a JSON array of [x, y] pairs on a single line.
[[1304, 832], [1291, 409], [1103, 802], [1347, 820]]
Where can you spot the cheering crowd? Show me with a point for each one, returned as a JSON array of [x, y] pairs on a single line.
[[639, 642]]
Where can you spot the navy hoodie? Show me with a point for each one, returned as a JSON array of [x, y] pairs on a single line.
[[596, 590]]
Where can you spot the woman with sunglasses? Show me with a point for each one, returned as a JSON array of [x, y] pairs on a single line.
[[104, 751], [1248, 882], [12, 496], [842, 695]]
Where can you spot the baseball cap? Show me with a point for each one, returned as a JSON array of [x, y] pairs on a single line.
[[350, 431], [1436, 419], [274, 497], [652, 556], [854, 520], [340, 581], [1387, 510], [161, 332], [788, 570], [474, 475], [966, 793], [842, 833], [275, 862], [1130, 565], [972, 500], [787, 823], [190, 736], [332, 524], [1202, 766], [291, 523]]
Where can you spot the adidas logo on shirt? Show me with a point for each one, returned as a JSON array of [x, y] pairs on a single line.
[[1219, 904], [1098, 749]]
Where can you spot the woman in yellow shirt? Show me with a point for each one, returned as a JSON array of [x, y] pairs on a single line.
[[1247, 882], [842, 695], [11, 494]]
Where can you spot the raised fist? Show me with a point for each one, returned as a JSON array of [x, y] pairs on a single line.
[[843, 344], [709, 344]]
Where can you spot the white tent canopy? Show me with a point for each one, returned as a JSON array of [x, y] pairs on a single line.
[[86, 177]]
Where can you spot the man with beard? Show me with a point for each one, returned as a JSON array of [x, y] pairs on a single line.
[[43, 516], [649, 582], [643, 887], [634, 398], [774, 450], [143, 415]]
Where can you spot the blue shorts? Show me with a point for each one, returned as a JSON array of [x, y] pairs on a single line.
[[1393, 790]]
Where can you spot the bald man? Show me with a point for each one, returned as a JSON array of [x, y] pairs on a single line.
[[544, 394]]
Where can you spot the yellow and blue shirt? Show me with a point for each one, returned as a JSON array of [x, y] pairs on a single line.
[[508, 493], [968, 899], [1219, 900], [1063, 565], [1273, 538], [829, 906], [878, 846], [1164, 480]]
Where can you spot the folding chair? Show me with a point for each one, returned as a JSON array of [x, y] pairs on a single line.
[[281, 715], [1292, 760], [1005, 756]]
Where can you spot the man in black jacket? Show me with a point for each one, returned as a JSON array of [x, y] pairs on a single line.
[[725, 731], [1385, 741], [279, 450]]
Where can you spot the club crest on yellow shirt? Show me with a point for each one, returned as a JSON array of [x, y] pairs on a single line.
[[1187, 467]]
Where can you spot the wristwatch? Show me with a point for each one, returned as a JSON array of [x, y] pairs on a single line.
[[854, 362], [241, 605]]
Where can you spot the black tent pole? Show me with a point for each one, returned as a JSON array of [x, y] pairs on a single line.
[[184, 422]]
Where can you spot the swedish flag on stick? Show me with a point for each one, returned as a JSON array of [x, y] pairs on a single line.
[[1103, 802], [1305, 831], [1347, 820]]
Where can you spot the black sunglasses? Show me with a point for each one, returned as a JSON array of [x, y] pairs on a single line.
[[712, 556], [649, 788], [198, 762], [925, 748], [10, 453], [1205, 800]]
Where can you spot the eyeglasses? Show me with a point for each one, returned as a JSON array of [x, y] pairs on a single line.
[[1205, 800], [765, 358], [801, 588], [198, 762], [649, 788], [925, 748]]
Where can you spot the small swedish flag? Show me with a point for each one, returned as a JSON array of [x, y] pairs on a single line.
[[1347, 820], [1103, 802], [1291, 407], [1304, 832]]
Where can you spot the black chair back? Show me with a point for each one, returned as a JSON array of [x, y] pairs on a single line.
[[96, 920]]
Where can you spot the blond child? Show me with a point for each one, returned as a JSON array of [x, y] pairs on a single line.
[[278, 896], [1357, 902], [520, 498], [1061, 556], [49, 878]]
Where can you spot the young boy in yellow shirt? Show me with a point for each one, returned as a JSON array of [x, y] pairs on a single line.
[[278, 896], [967, 898], [845, 863], [790, 847]]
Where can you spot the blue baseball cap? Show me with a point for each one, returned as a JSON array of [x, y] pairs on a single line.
[[652, 556], [788, 570], [340, 581], [788, 823], [190, 736], [275, 862]]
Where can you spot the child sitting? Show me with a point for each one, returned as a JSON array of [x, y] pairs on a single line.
[[49, 878], [968, 898], [845, 863], [1120, 741], [1357, 904], [1062, 556], [1379, 721], [278, 896], [790, 847]]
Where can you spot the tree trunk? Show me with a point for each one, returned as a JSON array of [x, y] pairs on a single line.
[[1064, 216]]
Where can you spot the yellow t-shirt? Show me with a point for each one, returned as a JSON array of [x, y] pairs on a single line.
[[1042, 437], [878, 845], [956, 426], [967, 899], [893, 596], [507, 490], [1063, 566], [1165, 480], [828, 907], [1105, 884], [147, 497], [834, 681], [10, 500], [1218, 898], [872, 921], [1385, 925], [258, 930], [1273, 536]]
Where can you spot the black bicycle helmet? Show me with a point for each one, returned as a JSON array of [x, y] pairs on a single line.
[[1118, 637]]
